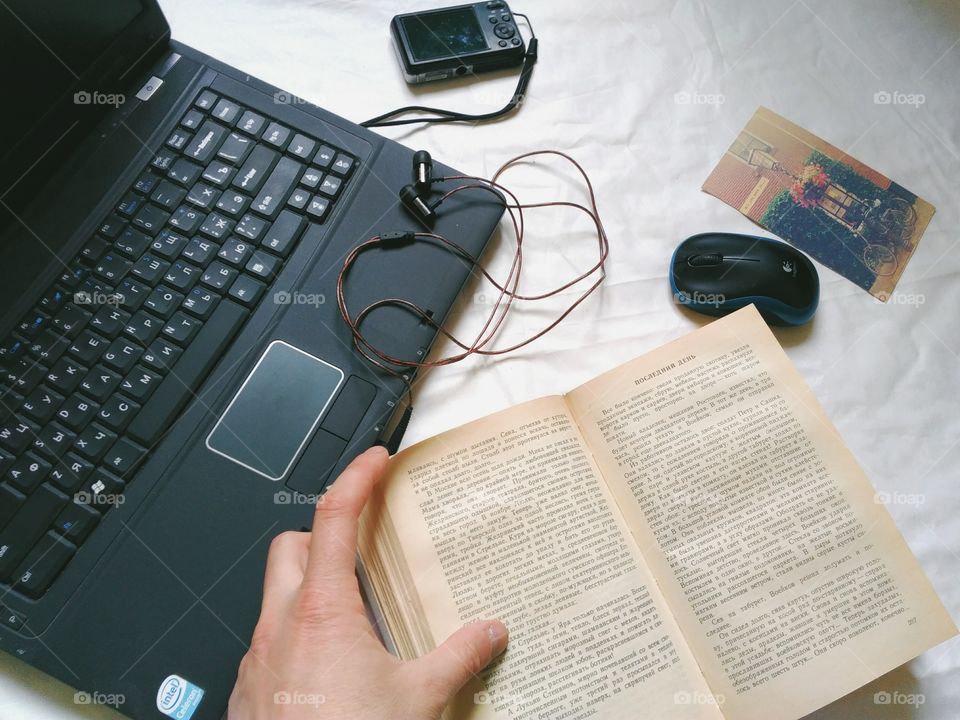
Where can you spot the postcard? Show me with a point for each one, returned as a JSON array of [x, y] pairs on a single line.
[[839, 211]]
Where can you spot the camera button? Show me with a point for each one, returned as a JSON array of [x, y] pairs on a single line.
[[515, 41], [505, 17], [504, 31], [503, 43], [493, 19]]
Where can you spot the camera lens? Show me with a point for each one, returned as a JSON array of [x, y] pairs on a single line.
[[462, 70]]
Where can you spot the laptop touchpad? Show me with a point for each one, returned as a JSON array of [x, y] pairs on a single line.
[[276, 410]]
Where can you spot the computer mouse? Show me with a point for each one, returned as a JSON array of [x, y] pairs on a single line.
[[717, 273]]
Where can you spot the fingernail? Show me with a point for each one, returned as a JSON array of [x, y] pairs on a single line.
[[498, 637], [377, 450]]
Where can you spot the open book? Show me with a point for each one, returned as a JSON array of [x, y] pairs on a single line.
[[686, 536]]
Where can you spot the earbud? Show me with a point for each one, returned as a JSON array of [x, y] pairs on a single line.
[[422, 170], [412, 201]]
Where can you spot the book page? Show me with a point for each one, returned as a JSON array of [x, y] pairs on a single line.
[[791, 584], [508, 518]]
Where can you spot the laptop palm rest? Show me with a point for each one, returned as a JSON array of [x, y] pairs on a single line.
[[276, 410]]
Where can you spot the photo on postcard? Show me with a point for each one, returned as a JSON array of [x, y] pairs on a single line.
[[838, 210]]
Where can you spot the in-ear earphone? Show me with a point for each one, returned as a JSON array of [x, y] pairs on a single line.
[[423, 208]]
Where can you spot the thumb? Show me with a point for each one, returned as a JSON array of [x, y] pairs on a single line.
[[465, 653]]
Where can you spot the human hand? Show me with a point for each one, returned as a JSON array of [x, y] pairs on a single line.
[[314, 654]]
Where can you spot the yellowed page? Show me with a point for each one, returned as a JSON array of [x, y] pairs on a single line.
[[791, 584], [508, 517]]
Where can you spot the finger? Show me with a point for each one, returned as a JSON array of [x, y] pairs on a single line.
[[286, 562], [333, 540], [465, 653]]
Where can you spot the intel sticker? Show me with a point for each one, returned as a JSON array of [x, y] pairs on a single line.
[[178, 698]]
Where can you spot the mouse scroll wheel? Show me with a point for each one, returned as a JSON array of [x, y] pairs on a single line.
[[707, 260]]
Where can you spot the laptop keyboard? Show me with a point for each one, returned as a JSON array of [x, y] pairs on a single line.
[[96, 373]]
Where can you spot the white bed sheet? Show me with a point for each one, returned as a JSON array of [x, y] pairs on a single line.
[[610, 89]]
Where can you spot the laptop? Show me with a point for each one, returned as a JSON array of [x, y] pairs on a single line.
[[176, 384]]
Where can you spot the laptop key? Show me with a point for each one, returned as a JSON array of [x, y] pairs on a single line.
[[92, 251], [283, 233], [140, 384], [121, 355], [163, 160], [250, 226], [88, 348], [342, 165], [24, 375], [206, 100], [186, 219], [123, 457], [251, 123], [112, 226], [99, 383], [168, 195], [178, 139], [53, 441], [149, 269], [182, 275], [94, 442], [218, 276], [318, 207], [203, 196], [27, 526], [206, 142], [76, 412], [254, 171], [132, 293], [76, 521], [218, 173], [168, 244], [44, 563], [217, 226], [143, 327], [151, 218], [263, 265], [181, 328], [187, 373], [284, 176], [113, 267], [200, 302], [246, 290], [16, 434], [324, 157], [302, 146], [109, 321], [71, 320], [184, 172], [233, 203], [65, 375], [235, 148], [27, 473], [192, 119], [102, 491], [161, 355], [235, 251], [117, 412], [70, 472], [41, 404], [11, 500], [48, 347], [276, 134], [226, 110], [163, 301], [129, 204]]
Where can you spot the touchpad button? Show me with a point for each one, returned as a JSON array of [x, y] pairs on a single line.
[[276, 410]]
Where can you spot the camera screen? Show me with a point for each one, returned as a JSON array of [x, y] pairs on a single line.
[[444, 34]]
